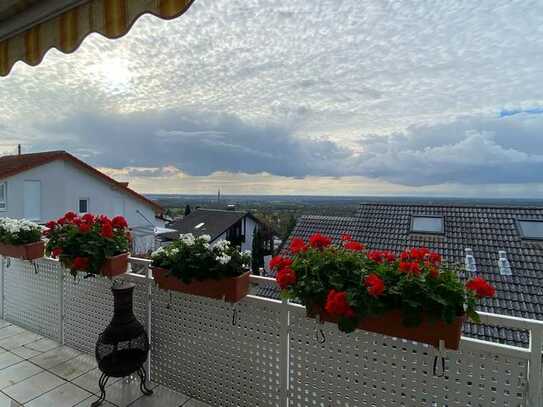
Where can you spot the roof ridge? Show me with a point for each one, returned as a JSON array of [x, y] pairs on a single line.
[[328, 217], [451, 205], [38, 153], [220, 210]]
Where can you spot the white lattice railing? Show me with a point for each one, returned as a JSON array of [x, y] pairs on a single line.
[[270, 356]]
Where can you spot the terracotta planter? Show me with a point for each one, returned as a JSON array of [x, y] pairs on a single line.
[[115, 265], [30, 251], [231, 289], [390, 323]]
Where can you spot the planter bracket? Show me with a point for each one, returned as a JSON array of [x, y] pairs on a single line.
[[440, 354], [234, 314], [8, 262], [319, 333], [36, 266]]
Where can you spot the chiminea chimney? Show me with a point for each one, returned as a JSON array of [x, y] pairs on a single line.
[[503, 264], [18, 149], [471, 266]]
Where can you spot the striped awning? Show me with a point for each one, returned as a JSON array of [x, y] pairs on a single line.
[[29, 28]]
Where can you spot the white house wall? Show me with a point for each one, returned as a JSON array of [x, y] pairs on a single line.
[[63, 184], [51, 177], [249, 225]]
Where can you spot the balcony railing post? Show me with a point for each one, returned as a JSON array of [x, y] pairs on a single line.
[[535, 366], [284, 354], [61, 304], [2, 269], [149, 311]]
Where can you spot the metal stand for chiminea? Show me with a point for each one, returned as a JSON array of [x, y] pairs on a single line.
[[123, 347]]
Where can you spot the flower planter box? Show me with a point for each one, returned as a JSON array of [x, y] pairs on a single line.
[[231, 289], [390, 323], [30, 251], [115, 265]]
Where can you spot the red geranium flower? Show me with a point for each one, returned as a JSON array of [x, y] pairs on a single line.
[[376, 256], [434, 272], [354, 246], [481, 287], [285, 278], [88, 218], [51, 224], [389, 256], [375, 285], [435, 258], [405, 256], [84, 227], [346, 237], [297, 245], [103, 219], [279, 262], [319, 241], [119, 222], [419, 253], [337, 304], [410, 268], [80, 263], [70, 216], [107, 230], [57, 251], [61, 221]]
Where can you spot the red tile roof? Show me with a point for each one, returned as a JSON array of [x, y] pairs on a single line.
[[13, 164]]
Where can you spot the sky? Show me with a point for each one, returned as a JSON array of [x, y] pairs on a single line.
[[331, 97]]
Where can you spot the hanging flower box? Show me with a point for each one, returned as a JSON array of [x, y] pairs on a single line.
[[29, 251], [390, 323], [231, 289], [95, 245], [115, 265], [21, 239], [414, 296], [191, 265]]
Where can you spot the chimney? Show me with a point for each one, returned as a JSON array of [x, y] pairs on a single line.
[[503, 264], [471, 266], [18, 149]]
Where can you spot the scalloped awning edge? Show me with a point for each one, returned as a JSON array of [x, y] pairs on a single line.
[[66, 32]]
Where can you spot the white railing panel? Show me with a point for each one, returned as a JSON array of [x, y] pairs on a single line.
[[31, 299], [365, 369], [197, 351]]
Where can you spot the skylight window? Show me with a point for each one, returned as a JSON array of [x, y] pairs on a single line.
[[531, 229], [427, 224], [199, 225]]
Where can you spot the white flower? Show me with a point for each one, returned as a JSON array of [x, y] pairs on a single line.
[[187, 239], [246, 253], [157, 252], [13, 226], [205, 238], [223, 245], [224, 259]]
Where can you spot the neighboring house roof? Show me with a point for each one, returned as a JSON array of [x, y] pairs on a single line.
[[212, 222], [484, 229], [14, 164]]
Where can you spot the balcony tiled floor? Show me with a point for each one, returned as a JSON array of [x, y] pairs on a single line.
[[38, 372]]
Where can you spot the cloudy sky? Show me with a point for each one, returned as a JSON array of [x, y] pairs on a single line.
[[344, 97]]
